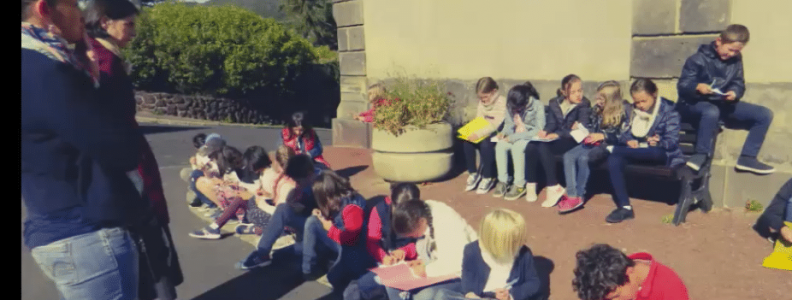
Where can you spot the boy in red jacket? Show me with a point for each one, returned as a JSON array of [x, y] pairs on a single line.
[[605, 273]]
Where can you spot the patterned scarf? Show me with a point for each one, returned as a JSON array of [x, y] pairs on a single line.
[[53, 46]]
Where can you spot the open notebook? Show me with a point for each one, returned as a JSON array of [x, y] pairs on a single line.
[[401, 277]]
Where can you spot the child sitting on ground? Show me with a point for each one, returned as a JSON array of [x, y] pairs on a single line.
[[771, 222], [525, 118], [499, 265], [711, 88], [337, 224], [300, 137], [383, 244], [376, 96], [611, 116], [205, 167], [604, 272]]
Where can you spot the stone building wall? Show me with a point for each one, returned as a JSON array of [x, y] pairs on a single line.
[[201, 107]]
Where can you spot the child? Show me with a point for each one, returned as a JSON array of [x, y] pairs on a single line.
[[491, 107], [498, 265], [604, 272], [771, 222], [205, 167], [651, 137], [526, 117], [337, 224], [710, 89], [220, 185], [376, 96], [382, 244], [610, 118], [256, 160], [299, 136], [442, 235], [294, 204], [568, 111]]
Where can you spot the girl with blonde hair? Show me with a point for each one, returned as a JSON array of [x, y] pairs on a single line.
[[609, 118]]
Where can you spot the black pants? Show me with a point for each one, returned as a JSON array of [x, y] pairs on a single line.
[[486, 150], [537, 152]]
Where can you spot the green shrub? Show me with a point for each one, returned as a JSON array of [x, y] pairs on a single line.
[[216, 50], [413, 102]]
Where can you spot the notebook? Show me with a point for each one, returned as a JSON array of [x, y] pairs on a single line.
[[471, 127], [401, 276]]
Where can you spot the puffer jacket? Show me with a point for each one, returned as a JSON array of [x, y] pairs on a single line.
[[666, 125], [612, 133], [562, 125], [705, 67]]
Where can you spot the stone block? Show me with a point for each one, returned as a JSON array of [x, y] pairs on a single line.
[[741, 187], [665, 87], [343, 44], [350, 109], [352, 63], [354, 84], [717, 187], [356, 38], [348, 13], [351, 133], [704, 15], [353, 97], [654, 16], [663, 57]]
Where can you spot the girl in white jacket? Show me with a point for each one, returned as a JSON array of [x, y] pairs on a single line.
[[442, 235]]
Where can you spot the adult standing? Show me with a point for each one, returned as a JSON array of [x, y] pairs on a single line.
[[77, 160], [111, 26]]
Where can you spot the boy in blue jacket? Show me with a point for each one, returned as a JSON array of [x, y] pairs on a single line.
[[711, 88]]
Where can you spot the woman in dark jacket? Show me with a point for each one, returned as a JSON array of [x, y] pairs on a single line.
[[566, 113], [111, 26]]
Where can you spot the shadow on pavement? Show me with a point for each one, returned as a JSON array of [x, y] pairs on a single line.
[[351, 171], [152, 129], [544, 267]]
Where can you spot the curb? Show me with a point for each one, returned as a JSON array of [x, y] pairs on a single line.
[[165, 121], [282, 242]]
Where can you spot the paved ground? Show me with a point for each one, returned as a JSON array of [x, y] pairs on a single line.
[[208, 266]]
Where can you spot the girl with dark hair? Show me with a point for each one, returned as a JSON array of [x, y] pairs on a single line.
[[382, 243], [567, 112], [218, 182], [338, 224], [652, 137], [300, 136]]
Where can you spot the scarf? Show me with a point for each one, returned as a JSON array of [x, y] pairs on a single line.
[[54, 47], [112, 47], [643, 121]]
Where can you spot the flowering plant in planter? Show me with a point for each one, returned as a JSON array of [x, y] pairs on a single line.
[[412, 102]]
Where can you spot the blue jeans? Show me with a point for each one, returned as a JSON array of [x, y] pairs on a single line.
[[741, 115], [315, 240], [618, 160], [282, 217], [352, 262], [193, 178], [576, 170], [789, 210], [98, 265], [427, 293]]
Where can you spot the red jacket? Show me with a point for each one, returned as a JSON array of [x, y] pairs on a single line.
[[662, 283], [310, 145], [114, 79], [374, 236]]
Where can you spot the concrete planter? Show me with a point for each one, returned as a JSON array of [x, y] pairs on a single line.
[[417, 155]]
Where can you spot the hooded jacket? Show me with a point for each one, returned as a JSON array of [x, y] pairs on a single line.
[[533, 117], [705, 66], [562, 125]]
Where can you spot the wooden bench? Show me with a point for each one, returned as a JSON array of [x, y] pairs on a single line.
[[694, 185]]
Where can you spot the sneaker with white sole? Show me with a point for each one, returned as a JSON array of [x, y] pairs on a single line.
[[696, 161], [500, 190], [206, 233], [751, 164], [514, 193], [254, 260], [472, 181], [485, 185], [553, 194], [530, 192]]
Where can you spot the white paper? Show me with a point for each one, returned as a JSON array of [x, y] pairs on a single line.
[[643, 145], [580, 133], [537, 139]]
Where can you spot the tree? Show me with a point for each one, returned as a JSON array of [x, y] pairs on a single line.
[[313, 19]]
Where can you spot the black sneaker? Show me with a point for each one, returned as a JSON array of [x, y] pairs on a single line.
[[500, 190], [696, 161], [206, 233], [620, 214], [254, 260], [514, 193], [751, 164]]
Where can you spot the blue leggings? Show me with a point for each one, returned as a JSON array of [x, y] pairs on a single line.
[[193, 178]]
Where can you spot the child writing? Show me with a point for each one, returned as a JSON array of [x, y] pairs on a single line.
[[710, 89], [376, 96], [300, 137], [499, 265], [338, 224], [491, 107], [771, 222], [568, 111], [610, 118], [651, 137], [442, 235], [604, 272], [202, 166], [382, 243], [525, 118]]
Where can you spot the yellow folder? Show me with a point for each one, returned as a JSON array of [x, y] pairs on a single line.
[[781, 258], [471, 127]]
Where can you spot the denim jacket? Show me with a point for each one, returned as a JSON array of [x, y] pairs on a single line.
[[533, 117]]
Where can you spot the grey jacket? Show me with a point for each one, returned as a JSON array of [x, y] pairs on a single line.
[[533, 117]]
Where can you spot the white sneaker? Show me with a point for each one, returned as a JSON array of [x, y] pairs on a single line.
[[554, 194], [485, 185], [530, 192], [472, 181]]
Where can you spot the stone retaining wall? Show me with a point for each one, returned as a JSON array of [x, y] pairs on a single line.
[[202, 107]]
